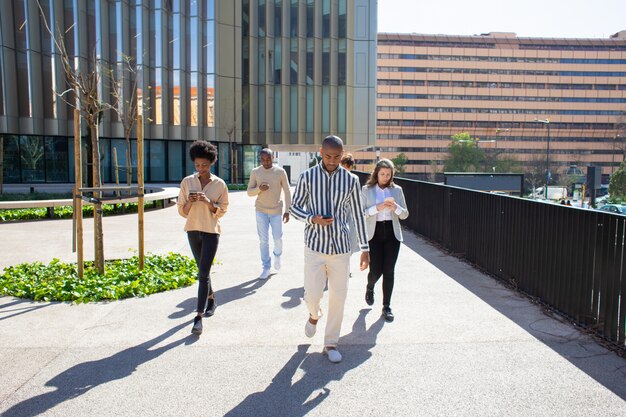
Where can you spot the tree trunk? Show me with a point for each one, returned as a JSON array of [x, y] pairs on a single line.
[[97, 209], [1, 163], [129, 169]]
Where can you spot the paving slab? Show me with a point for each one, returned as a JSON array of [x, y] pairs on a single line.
[[462, 344]]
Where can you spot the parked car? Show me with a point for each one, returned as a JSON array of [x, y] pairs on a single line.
[[614, 208]]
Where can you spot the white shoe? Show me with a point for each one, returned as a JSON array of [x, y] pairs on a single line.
[[265, 274], [309, 329], [333, 354], [277, 264]]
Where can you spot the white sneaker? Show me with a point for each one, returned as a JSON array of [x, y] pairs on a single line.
[[265, 274], [333, 354], [277, 263], [309, 328]]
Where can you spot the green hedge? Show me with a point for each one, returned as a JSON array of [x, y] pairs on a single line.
[[58, 281], [65, 212], [34, 196]]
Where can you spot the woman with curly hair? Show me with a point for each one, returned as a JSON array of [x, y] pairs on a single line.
[[203, 200]]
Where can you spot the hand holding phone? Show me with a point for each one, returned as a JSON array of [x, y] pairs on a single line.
[[323, 219]]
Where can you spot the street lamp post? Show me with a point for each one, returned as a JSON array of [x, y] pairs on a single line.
[[547, 123]]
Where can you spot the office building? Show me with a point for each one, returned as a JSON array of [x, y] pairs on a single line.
[[241, 74], [495, 86]]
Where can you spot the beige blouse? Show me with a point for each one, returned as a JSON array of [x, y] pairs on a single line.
[[200, 218]]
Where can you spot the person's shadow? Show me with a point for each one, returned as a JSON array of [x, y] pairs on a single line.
[[295, 295], [224, 296], [282, 397], [81, 378]]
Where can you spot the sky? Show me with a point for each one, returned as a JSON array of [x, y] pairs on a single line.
[[526, 18]]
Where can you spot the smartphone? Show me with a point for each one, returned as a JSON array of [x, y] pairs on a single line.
[[326, 216]]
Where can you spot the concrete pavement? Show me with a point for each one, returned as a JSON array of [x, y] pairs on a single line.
[[461, 345]]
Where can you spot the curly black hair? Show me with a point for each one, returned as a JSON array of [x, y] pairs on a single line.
[[203, 149]]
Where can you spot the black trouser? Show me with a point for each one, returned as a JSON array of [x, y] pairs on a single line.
[[203, 246], [384, 248]]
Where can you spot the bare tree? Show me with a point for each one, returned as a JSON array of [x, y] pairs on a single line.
[[434, 170], [83, 81], [535, 171], [127, 106], [1, 163]]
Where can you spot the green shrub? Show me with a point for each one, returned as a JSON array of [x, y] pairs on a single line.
[[237, 187], [58, 281], [34, 196], [65, 212]]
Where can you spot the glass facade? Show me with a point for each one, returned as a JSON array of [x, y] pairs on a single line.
[[172, 46], [35, 159], [272, 74], [306, 45]]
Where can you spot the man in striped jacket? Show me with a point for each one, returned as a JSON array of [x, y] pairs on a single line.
[[324, 197]]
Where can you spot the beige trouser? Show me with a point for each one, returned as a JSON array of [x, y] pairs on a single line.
[[318, 269]]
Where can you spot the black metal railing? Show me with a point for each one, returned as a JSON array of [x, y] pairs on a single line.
[[571, 259]]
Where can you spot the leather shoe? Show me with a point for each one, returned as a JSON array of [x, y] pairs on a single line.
[[387, 314], [369, 297]]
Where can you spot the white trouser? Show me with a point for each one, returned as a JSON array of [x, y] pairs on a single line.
[[318, 269]]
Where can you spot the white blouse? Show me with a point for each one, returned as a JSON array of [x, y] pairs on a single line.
[[381, 194]]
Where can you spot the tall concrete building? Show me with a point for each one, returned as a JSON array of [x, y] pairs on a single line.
[[240, 73], [494, 87]]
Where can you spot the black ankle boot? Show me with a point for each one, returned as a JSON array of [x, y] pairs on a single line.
[[387, 314]]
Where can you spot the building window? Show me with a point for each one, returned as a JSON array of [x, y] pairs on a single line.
[[278, 18], [156, 160], [326, 62], [278, 60], [57, 159], [326, 19], [341, 109], [310, 108], [278, 107], [310, 61], [11, 164], [261, 15], [310, 18], [293, 58], [293, 109], [341, 63], [32, 158], [326, 109], [261, 109], [342, 20], [293, 18], [175, 160]]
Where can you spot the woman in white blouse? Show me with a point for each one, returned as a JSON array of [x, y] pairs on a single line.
[[384, 208]]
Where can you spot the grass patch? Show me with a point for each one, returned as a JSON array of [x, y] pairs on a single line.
[[58, 281]]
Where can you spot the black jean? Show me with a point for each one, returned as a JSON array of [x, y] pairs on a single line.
[[203, 246], [384, 248]]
